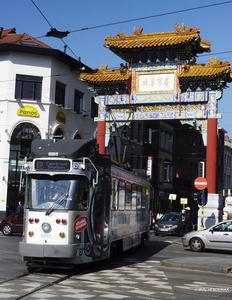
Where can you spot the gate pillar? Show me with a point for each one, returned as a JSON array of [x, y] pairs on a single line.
[[101, 131], [211, 155]]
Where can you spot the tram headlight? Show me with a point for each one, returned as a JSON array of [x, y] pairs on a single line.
[[30, 233], [46, 227], [62, 235]]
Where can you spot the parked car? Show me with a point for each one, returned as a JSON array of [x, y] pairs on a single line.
[[170, 223], [12, 224], [217, 237]]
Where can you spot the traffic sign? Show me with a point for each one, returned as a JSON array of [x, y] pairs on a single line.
[[200, 183]]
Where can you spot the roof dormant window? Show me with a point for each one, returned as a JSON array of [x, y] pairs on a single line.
[[28, 87]]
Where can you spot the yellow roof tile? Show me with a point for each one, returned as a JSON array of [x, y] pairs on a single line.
[[213, 68], [160, 39], [105, 75]]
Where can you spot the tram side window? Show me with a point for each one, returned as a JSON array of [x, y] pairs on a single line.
[[143, 202], [134, 197], [139, 197], [147, 198], [82, 197], [128, 196], [114, 194], [121, 195]]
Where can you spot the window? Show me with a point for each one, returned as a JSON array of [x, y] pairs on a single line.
[[60, 93], [78, 102], [94, 109], [134, 196], [128, 196], [114, 194], [167, 171], [143, 200], [28, 87], [139, 197], [121, 195]]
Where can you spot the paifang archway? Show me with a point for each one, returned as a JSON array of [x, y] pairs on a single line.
[[161, 80]]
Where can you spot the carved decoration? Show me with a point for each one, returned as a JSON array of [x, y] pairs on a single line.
[[181, 28], [214, 62], [121, 35], [103, 67], [137, 32], [123, 69]]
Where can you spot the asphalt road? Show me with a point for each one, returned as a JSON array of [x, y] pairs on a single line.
[[141, 273]]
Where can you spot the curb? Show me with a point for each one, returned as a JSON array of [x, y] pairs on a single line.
[[194, 266]]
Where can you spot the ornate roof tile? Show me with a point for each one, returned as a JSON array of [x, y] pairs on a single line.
[[213, 68], [176, 40], [105, 75]]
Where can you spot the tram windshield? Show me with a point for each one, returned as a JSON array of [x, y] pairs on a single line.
[[69, 192]]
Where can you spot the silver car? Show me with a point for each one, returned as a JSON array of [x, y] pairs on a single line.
[[218, 237]]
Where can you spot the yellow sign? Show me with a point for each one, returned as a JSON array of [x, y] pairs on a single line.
[[183, 200], [28, 111], [60, 116]]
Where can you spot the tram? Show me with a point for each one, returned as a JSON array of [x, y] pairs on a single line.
[[80, 207]]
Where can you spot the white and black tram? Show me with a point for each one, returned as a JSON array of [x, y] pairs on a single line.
[[80, 207]]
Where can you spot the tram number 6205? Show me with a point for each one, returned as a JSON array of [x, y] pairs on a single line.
[[46, 235]]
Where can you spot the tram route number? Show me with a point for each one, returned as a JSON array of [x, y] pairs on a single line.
[[46, 235]]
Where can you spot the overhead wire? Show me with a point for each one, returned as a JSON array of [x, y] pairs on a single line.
[[78, 58], [152, 16], [137, 19]]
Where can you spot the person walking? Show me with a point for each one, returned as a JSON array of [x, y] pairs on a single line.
[[19, 207], [188, 220]]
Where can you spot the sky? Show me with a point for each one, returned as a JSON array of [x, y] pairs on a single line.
[[104, 18]]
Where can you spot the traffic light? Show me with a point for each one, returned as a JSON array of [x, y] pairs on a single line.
[[202, 197]]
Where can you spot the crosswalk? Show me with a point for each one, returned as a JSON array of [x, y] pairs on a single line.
[[130, 280]]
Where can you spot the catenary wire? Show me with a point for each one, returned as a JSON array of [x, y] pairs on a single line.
[[137, 19]]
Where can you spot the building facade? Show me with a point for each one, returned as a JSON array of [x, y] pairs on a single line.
[[41, 97]]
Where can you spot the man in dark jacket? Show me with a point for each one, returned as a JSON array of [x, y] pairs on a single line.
[[188, 220]]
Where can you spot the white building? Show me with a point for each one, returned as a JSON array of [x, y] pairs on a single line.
[[40, 97]]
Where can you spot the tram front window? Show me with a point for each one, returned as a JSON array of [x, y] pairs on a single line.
[[43, 191]]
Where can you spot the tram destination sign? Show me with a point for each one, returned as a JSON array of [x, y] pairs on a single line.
[[52, 165]]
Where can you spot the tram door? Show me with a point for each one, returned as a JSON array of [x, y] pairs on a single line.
[[101, 211]]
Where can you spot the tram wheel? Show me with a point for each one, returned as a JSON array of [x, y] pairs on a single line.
[[114, 250], [142, 240]]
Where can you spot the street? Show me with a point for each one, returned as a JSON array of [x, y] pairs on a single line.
[[138, 274]]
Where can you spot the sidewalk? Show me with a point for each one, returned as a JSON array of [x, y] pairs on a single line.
[[221, 265]]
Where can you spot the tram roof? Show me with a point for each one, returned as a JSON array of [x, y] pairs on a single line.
[[72, 149]]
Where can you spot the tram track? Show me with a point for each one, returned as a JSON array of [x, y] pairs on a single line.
[[94, 279], [30, 279]]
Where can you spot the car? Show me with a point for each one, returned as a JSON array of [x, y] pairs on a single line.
[[12, 224], [218, 237], [170, 223]]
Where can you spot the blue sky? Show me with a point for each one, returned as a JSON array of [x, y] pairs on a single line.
[[215, 23]]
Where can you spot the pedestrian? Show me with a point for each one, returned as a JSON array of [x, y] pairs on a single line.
[[188, 220], [19, 207]]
